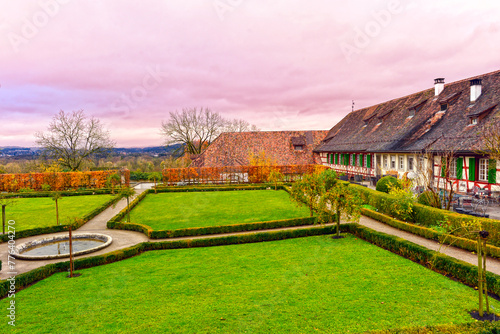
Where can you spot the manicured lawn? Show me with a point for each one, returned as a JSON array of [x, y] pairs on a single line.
[[170, 211], [41, 212], [305, 285]]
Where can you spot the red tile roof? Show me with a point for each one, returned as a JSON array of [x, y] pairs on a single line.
[[235, 148], [394, 130]]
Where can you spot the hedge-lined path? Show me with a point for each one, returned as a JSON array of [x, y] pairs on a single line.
[[123, 239]]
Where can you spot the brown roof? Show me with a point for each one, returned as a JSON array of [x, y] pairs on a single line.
[[393, 130], [235, 148]]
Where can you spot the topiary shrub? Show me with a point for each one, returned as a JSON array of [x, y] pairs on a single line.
[[384, 183], [430, 199]]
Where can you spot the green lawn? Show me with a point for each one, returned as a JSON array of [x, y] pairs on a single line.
[[306, 285], [41, 212], [170, 211]]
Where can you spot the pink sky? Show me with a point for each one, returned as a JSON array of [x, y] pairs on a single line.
[[281, 64]]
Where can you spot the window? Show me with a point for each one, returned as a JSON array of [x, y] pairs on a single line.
[[393, 162], [410, 163], [444, 106], [385, 162], [453, 168], [421, 163], [351, 159], [483, 169], [401, 162], [298, 147], [365, 163], [473, 121], [411, 113]]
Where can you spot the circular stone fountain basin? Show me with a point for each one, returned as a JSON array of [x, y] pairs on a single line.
[[58, 247]]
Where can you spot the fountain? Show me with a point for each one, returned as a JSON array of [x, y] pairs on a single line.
[[58, 247]]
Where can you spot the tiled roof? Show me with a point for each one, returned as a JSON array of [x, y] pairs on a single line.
[[396, 130], [235, 148]]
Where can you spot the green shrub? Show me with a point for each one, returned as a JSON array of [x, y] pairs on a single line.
[[46, 187], [483, 327], [25, 190], [384, 183], [430, 199]]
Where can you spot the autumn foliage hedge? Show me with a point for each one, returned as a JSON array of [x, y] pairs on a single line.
[[237, 174], [58, 181]]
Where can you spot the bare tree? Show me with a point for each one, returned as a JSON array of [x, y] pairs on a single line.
[[239, 125], [490, 141], [72, 139], [196, 128]]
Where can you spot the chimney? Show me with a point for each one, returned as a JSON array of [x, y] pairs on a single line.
[[475, 89], [438, 86]]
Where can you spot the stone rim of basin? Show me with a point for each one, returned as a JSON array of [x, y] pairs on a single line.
[[18, 254]]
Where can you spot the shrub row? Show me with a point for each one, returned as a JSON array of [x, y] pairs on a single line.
[[61, 228], [58, 181], [483, 327], [429, 216], [196, 231], [462, 271], [26, 279], [120, 215], [214, 188], [66, 193], [428, 233]]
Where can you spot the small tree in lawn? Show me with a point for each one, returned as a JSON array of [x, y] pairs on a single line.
[[275, 176], [56, 196], [113, 180], [127, 192], [341, 201], [306, 191], [155, 176], [4, 202]]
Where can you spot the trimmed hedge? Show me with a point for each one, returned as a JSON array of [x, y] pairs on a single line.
[[26, 279], [196, 231], [213, 188], [66, 193], [428, 233], [61, 228], [384, 183], [429, 216], [482, 327]]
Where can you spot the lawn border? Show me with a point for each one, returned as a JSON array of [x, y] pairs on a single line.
[[79, 222], [116, 223], [36, 194]]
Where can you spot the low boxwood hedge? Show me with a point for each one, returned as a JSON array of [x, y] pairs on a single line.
[[469, 328], [429, 216], [428, 233], [61, 228], [196, 231], [215, 188], [102, 191]]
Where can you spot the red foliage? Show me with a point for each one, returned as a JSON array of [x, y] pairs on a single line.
[[58, 181], [236, 174]]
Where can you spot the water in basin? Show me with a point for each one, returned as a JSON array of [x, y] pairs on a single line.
[[62, 247]]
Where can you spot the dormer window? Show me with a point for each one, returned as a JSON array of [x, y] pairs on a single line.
[[416, 108], [411, 113], [298, 147], [299, 143], [473, 121], [444, 106]]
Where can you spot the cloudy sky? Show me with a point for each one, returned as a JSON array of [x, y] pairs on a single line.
[[281, 64]]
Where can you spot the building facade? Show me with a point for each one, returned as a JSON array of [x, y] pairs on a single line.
[[439, 131]]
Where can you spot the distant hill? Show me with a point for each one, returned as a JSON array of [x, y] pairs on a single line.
[[33, 152]]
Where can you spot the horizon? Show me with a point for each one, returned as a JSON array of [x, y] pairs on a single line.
[[282, 66]]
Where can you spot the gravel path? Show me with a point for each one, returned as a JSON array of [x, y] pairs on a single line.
[[123, 239]]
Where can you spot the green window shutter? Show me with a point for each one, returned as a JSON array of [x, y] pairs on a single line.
[[460, 168], [492, 171], [361, 157], [346, 159], [336, 158], [369, 161], [331, 158], [443, 163], [472, 169]]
